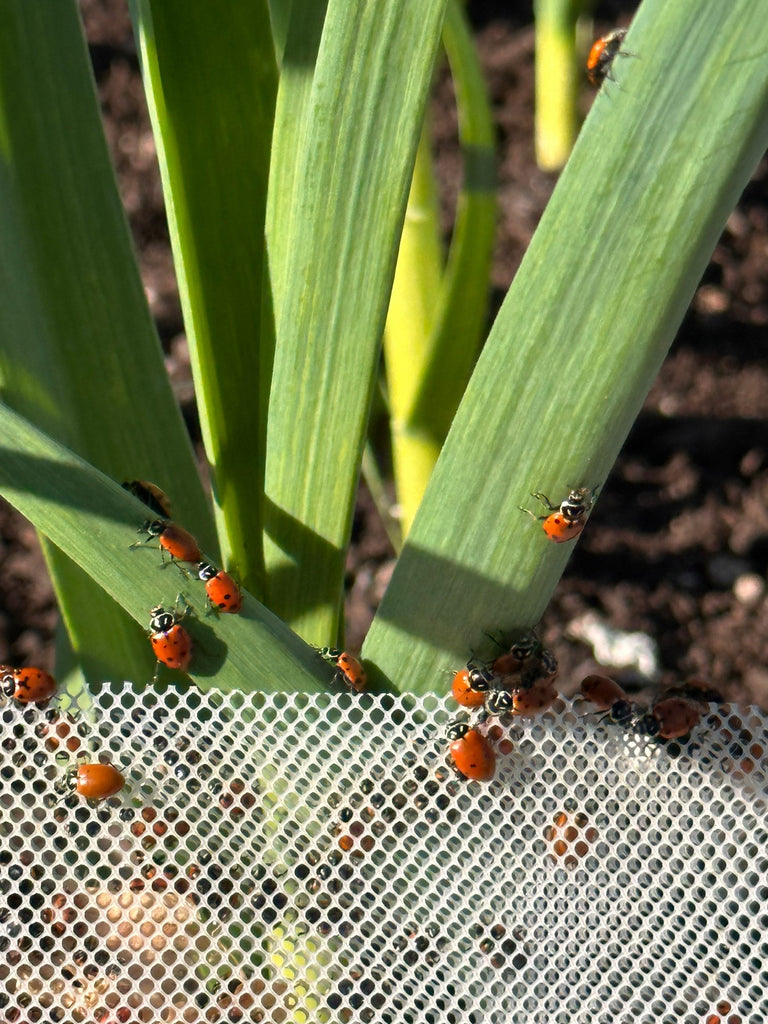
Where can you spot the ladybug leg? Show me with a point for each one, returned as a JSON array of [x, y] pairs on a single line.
[[531, 514], [544, 501], [172, 561], [142, 543]]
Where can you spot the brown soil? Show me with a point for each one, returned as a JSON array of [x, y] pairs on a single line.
[[678, 544]]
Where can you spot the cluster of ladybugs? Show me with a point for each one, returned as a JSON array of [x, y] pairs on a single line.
[[171, 643], [520, 681], [93, 781], [671, 717]]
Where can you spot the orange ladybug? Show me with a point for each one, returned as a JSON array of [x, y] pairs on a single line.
[[602, 691], [97, 781], [151, 495], [350, 670], [675, 717], [567, 520], [171, 643], [223, 593], [464, 693], [525, 665], [526, 703], [602, 55], [178, 542], [27, 685], [471, 753]]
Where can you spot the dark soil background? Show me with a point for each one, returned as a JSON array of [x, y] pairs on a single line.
[[678, 545]]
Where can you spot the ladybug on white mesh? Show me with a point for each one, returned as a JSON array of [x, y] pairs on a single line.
[[470, 752], [606, 694], [96, 781], [675, 717], [27, 685], [523, 703], [471, 685]]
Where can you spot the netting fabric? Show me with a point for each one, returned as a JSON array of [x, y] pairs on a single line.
[[294, 858]]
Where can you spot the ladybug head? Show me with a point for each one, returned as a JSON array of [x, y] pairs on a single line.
[[578, 504], [480, 678], [155, 527], [647, 725], [457, 730], [7, 681], [499, 702], [526, 647], [161, 620], [621, 711], [206, 571]]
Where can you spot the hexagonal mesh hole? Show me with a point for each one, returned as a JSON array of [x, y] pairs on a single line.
[[295, 858]]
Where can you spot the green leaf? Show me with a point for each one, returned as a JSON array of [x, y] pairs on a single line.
[[94, 521], [78, 352], [359, 139], [658, 167], [557, 79], [294, 98], [429, 358], [211, 84]]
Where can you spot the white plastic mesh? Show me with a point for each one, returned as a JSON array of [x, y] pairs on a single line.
[[294, 858]]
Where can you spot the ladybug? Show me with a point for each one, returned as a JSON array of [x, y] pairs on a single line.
[[171, 643], [530, 702], [499, 702], [27, 685], [350, 671], [695, 691], [510, 663], [602, 55], [97, 781], [471, 753], [178, 542], [624, 712], [675, 717], [566, 520], [525, 703], [527, 661], [465, 693], [602, 691], [223, 593], [151, 495]]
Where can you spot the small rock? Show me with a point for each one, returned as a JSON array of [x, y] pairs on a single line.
[[617, 647], [748, 588]]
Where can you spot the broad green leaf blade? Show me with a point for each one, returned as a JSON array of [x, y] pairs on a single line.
[[78, 352], [211, 83], [304, 28], [362, 125], [595, 305], [94, 521]]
